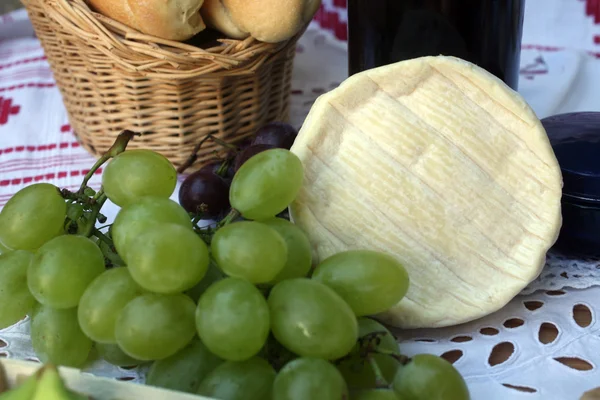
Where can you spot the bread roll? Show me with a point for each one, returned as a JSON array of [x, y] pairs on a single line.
[[167, 19], [217, 17], [269, 21]]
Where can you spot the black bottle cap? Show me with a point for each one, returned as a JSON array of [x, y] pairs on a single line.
[[575, 138]]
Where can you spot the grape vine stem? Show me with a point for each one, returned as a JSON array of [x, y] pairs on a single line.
[[117, 148], [89, 226], [233, 214], [194, 155], [402, 359], [380, 381]]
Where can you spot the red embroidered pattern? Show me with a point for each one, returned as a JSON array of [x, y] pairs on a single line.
[[592, 9], [330, 20], [7, 108]]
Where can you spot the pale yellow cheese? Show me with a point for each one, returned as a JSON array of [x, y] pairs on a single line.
[[442, 165]]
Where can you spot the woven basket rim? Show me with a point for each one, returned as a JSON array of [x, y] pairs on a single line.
[[153, 56]]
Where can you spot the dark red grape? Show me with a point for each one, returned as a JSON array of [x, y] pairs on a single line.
[[276, 134], [247, 142], [212, 166], [215, 166], [253, 150], [208, 188]]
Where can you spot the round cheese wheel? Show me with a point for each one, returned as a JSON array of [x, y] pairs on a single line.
[[440, 164]]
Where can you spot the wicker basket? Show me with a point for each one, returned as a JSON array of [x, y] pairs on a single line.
[[114, 78]]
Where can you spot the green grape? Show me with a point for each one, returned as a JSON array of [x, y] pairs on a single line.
[[112, 354], [239, 380], [357, 370], [428, 377], [62, 269], [167, 258], [156, 326], [213, 274], [311, 320], [4, 249], [34, 215], [232, 319], [371, 282], [185, 370], [102, 302], [137, 173], [266, 184], [308, 379], [249, 250], [14, 294], [299, 256], [375, 394], [57, 338], [135, 218]]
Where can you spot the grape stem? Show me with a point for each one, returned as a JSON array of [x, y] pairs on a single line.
[[402, 359], [207, 232], [224, 143], [370, 344], [194, 155], [380, 381], [98, 194], [110, 253], [100, 235], [223, 168], [88, 227], [233, 214], [117, 148]]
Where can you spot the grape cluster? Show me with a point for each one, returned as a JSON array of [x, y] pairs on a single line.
[[231, 311], [206, 191]]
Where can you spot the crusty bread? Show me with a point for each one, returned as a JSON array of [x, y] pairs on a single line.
[[216, 16], [167, 19], [269, 21]]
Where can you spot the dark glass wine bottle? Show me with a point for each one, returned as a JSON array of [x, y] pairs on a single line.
[[485, 32]]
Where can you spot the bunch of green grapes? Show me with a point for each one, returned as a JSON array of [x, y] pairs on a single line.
[[270, 326], [243, 314], [52, 267]]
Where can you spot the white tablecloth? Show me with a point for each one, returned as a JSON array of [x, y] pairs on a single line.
[[560, 73]]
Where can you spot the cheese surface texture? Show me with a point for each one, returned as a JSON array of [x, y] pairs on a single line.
[[438, 163]]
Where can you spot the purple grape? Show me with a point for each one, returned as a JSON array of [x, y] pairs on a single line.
[[247, 142], [212, 166], [215, 166], [208, 188], [253, 150], [276, 134]]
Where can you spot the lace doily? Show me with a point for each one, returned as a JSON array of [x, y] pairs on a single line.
[[564, 271], [542, 346]]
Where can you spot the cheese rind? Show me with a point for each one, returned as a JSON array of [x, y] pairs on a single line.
[[440, 164]]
